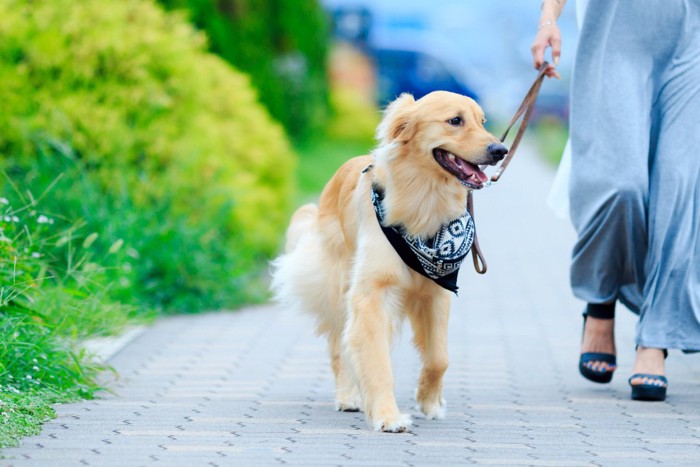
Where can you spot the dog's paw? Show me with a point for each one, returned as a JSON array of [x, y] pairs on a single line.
[[397, 424], [347, 406], [433, 411]]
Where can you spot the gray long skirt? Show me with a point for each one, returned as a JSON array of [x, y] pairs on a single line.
[[635, 181]]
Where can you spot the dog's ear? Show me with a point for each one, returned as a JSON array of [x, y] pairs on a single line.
[[398, 123]]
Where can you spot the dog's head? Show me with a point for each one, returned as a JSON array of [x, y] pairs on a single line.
[[443, 135]]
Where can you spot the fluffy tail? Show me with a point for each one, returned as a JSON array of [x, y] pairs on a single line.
[[289, 269], [306, 277], [302, 222]]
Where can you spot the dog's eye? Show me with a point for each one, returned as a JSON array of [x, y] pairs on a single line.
[[456, 121], [483, 120]]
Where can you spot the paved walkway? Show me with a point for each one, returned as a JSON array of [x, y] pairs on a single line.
[[254, 387]]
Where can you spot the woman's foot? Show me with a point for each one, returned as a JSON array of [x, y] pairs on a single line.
[[598, 351], [649, 361], [648, 381]]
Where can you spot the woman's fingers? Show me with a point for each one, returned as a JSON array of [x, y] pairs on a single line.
[[551, 71], [538, 48], [555, 42], [547, 36]]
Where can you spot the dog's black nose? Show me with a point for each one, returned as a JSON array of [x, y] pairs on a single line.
[[497, 151]]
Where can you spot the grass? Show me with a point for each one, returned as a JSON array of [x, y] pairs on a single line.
[[22, 415], [320, 158], [52, 297], [40, 367], [551, 135]]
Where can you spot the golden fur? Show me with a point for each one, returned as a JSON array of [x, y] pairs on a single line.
[[339, 266]]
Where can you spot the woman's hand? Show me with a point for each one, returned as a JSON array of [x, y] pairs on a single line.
[[548, 35]]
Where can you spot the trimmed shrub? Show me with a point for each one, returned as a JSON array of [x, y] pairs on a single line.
[[353, 117], [282, 44], [165, 152]]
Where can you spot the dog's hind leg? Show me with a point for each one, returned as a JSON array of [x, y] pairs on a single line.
[[347, 393], [368, 337], [429, 320]]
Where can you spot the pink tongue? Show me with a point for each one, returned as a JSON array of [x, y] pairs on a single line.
[[473, 170], [481, 176]]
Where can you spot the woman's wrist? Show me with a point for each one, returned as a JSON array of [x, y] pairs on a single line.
[[551, 9]]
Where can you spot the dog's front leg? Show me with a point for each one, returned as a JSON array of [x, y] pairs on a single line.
[[429, 319], [368, 339]]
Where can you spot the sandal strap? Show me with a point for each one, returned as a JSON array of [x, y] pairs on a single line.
[[598, 357], [647, 376], [600, 311]]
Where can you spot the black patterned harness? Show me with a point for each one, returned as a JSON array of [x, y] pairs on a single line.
[[438, 258]]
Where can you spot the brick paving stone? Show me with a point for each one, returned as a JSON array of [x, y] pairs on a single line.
[[254, 387]]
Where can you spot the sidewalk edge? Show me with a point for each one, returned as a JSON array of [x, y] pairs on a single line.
[[104, 348]]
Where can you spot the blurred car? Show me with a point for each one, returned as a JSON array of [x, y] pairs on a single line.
[[352, 25], [414, 71], [406, 56], [480, 48]]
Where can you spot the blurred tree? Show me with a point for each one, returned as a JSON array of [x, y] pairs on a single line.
[[282, 44]]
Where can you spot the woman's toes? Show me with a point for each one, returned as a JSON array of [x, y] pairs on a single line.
[[596, 365]]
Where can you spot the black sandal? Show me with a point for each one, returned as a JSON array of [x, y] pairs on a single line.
[[585, 366], [654, 389], [587, 359]]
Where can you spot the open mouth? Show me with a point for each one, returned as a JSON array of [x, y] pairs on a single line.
[[468, 174]]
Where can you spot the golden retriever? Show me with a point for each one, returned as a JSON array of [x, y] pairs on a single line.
[[339, 265]]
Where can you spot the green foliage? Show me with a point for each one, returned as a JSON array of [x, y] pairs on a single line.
[[349, 133], [551, 135], [138, 172], [35, 356], [320, 159], [354, 118], [165, 153], [49, 297], [282, 44], [22, 414]]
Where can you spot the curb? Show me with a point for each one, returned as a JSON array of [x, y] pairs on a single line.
[[104, 348]]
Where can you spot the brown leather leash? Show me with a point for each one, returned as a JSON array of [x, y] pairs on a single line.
[[525, 110]]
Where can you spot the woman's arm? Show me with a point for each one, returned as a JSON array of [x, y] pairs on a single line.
[[548, 35]]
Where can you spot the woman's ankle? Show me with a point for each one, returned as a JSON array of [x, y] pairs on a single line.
[[649, 360], [599, 336]]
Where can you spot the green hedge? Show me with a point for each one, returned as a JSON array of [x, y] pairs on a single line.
[[282, 44], [164, 151]]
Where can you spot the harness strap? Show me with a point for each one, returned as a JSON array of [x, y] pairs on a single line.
[[449, 268]]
